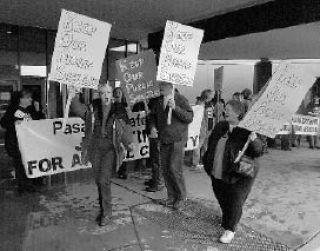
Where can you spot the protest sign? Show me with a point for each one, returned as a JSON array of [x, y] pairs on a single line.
[[179, 54], [140, 139], [279, 101], [137, 74], [79, 50], [46, 149], [194, 128], [286, 129], [305, 125]]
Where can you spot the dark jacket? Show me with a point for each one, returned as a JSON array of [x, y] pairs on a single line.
[[8, 122], [237, 139], [182, 115]]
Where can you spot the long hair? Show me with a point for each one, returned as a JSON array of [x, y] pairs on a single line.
[[123, 98]]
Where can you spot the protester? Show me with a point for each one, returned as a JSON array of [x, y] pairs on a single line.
[[155, 184], [247, 99], [219, 107], [205, 98], [237, 96], [22, 108], [109, 134], [173, 138], [230, 188]]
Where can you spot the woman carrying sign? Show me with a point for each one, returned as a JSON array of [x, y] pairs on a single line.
[[109, 132], [232, 180]]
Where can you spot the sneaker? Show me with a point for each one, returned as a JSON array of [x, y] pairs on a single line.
[[227, 237]]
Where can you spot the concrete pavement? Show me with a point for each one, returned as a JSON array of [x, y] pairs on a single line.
[[282, 213]]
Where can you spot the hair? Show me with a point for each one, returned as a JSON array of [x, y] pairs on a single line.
[[246, 93], [205, 94], [123, 99], [236, 94], [237, 107], [16, 96]]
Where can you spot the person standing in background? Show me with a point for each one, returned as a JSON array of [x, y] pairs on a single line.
[[155, 184], [205, 98], [22, 108], [247, 99], [173, 138]]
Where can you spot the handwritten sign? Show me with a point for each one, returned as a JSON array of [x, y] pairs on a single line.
[[279, 101], [218, 78], [179, 54], [79, 50], [305, 125], [138, 77]]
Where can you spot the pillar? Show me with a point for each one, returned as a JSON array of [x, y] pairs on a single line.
[[262, 73]]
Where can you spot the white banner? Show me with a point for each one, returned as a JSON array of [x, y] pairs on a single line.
[[46, 149], [79, 51], [279, 101], [194, 128], [140, 138], [305, 125], [179, 54]]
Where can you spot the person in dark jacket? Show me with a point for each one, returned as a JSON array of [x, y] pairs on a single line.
[[109, 133], [22, 108], [173, 138], [230, 188]]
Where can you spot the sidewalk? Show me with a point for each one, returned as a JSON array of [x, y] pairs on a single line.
[[282, 213]]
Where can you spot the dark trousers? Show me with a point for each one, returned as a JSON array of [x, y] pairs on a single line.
[[103, 162], [153, 161], [171, 164], [231, 198], [22, 180]]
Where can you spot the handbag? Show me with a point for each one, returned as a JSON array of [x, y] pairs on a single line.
[[245, 166]]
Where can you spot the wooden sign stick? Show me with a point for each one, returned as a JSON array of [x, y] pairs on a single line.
[[241, 153], [170, 110], [71, 94]]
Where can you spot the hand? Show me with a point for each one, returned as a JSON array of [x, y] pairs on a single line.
[[171, 104], [36, 106], [252, 136], [153, 133]]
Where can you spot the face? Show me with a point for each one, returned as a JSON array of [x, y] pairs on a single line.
[[118, 95], [26, 100], [165, 89], [231, 116], [105, 94]]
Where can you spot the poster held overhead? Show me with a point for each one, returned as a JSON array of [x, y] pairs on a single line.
[[179, 55], [280, 100], [79, 51], [137, 75]]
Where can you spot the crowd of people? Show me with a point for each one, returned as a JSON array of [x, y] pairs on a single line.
[[108, 136]]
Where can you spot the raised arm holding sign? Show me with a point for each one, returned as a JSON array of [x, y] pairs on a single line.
[[179, 55]]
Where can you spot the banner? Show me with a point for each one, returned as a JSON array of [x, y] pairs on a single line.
[[305, 125], [140, 138], [137, 74], [79, 51], [279, 101], [286, 129], [194, 128], [46, 149], [179, 54]]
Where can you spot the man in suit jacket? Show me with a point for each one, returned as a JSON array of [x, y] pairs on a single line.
[[172, 138]]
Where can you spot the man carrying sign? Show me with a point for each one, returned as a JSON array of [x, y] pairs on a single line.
[[173, 138]]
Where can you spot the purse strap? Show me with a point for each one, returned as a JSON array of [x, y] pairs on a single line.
[[241, 153]]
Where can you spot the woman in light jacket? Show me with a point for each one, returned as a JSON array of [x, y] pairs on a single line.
[[231, 188]]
